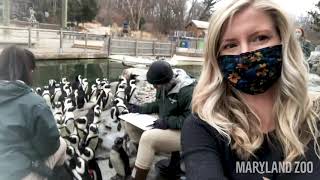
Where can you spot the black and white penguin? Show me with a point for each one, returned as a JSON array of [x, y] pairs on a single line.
[[119, 159], [107, 98], [120, 93], [118, 109], [81, 170], [52, 83], [77, 82], [69, 119], [92, 139], [121, 82], [57, 109], [130, 89], [67, 89], [39, 91], [46, 95], [81, 127], [97, 115], [93, 94], [87, 154], [73, 140], [85, 86], [57, 93], [64, 81], [70, 156], [80, 98]]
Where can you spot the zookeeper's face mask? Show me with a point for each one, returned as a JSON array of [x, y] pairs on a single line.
[[252, 72]]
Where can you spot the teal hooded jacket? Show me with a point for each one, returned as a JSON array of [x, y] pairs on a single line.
[[27, 130]]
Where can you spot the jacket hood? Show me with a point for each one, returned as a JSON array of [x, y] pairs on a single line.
[[10, 90], [182, 79]]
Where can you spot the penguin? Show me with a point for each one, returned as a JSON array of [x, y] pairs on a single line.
[[92, 139], [92, 96], [81, 171], [73, 140], [79, 96], [57, 93], [130, 89], [118, 109], [107, 98], [52, 83], [106, 80], [119, 159], [85, 86], [64, 81], [94, 114], [68, 104], [97, 114], [120, 93], [66, 89], [87, 154], [81, 127], [77, 82], [98, 82], [71, 157], [69, 119], [39, 91], [63, 130], [58, 114], [46, 96]]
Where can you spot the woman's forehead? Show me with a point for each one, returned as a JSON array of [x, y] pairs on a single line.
[[246, 22]]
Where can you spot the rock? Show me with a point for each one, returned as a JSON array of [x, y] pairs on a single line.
[[314, 62], [317, 48]]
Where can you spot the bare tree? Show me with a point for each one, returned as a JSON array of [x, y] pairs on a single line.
[[136, 11]]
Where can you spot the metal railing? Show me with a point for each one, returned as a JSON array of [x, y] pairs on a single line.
[[61, 41]]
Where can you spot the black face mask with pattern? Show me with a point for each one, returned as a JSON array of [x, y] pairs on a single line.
[[252, 72]]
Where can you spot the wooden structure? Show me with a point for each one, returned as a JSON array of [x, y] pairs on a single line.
[[198, 28]]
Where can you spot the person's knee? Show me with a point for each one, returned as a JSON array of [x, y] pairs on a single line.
[[149, 137]]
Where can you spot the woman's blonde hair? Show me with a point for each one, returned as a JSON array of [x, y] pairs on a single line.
[[296, 122]]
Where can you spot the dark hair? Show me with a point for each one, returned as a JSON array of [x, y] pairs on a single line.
[[16, 64]]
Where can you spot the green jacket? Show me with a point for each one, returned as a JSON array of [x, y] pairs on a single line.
[[307, 47], [175, 106], [27, 130]]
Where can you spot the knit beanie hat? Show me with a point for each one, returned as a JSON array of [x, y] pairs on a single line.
[[160, 72]]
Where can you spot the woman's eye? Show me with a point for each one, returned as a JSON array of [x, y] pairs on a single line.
[[261, 38], [228, 46]]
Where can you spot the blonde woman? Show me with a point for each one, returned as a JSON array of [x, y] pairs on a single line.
[[252, 113]]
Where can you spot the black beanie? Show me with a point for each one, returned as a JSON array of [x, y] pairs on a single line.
[[160, 72]]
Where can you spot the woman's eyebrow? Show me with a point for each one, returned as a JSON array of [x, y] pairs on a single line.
[[266, 31]]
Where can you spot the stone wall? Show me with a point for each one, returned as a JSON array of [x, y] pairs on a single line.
[[314, 61]]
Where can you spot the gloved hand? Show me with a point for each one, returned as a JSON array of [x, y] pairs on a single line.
[[160, 124], [134, 108]]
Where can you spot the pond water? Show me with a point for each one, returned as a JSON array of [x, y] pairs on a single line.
[[89, 68]]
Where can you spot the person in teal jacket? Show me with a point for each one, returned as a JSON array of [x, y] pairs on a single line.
[[172, 104], [28, 132]]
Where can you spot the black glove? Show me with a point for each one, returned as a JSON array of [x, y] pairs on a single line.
[[134, 108], [160, 124]]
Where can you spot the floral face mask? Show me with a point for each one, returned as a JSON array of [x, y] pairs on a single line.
[[252, 72]]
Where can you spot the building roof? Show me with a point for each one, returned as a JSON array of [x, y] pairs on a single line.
[[199, 24]]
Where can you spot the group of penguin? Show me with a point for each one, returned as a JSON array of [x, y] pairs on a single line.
[[82, 133]]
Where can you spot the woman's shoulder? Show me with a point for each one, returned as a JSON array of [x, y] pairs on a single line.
[[194, 128]]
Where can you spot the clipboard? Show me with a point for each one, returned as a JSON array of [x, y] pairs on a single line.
[[142, 121]]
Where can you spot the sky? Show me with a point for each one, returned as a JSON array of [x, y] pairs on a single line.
[[294, 7]]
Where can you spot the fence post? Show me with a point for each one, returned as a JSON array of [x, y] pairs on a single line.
[[105, 43], [171, 49], [109, 46], [136, 48], [153, 48], [29, 37], [61, 41], [86, 42]]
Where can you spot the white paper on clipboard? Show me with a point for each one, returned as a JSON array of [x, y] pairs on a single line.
[[142, 121]]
